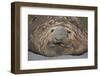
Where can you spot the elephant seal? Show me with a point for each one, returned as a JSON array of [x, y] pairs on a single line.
[[56, 35]]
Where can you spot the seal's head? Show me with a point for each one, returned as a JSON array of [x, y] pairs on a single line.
[[59, 36]]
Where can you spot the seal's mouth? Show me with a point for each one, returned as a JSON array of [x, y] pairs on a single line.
[[59, 44], [59, 48]]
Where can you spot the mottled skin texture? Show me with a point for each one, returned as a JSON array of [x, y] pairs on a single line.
[[56, 35]]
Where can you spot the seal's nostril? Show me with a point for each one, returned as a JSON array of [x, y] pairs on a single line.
[[58, 40]]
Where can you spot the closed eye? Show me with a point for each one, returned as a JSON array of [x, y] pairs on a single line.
[[68, 31], [52, 30]]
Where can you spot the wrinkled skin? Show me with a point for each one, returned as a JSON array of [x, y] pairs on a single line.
[[54, 36]]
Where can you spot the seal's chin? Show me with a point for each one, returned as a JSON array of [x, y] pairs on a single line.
[[56, 49]]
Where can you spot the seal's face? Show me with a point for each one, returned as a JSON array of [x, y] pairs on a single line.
[[60, 37], [60, 40]]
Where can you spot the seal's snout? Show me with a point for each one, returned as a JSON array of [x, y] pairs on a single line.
[[59, 34]]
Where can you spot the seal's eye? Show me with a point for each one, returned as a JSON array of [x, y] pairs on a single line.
[[52, 30], [68, 31]]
